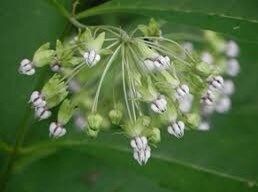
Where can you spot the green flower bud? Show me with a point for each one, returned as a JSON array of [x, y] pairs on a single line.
[[115, 116], [150, 30], [43, 56], [65, 112], [65, 55], [204, 68], [193, 119], [154, 135], [217, 43], [95, 121], [54, 91], [137, 128], [92, 133]]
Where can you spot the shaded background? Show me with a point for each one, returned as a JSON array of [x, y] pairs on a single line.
[[223, 159]]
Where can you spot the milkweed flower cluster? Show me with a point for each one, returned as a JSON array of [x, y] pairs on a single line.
[[140, 82], [222, 56]]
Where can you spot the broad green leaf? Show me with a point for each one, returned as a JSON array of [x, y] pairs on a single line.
[[236, 18]]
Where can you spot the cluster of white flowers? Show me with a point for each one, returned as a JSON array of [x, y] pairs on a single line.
[[56, 130], [141, 149], [176, 129], [40, 105], [158, 63], [26, 67], [91, 57], [181, 94], [159, 105]]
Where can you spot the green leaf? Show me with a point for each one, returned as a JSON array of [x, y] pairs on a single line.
[[238, 18]]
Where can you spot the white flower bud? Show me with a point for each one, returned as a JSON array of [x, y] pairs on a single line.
[[182, 91], [208, 98], [37, 99], [228, 87], [215, 82], [233, 67], [55, 67], [149, 64], [207, 58], [162, 62], [91, 57], [42, 113], [142, 151], [176, 129], [185, 103], [26, 67], [204, 126], [159, 105], [207, 109], [223, 105], [56, 130], [232, 49]]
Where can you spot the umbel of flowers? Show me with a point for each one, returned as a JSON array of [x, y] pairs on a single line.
[[139, 81]]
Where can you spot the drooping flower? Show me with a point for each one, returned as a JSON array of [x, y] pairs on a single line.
[[176, 129], [141, 149], [56, 130]]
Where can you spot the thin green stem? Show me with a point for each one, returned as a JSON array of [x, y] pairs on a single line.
[[95, 103], [124, 85]]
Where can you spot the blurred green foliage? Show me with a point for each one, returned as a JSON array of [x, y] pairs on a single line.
[[223, 159]]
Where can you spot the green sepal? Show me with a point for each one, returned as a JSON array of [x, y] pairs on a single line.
[[193, 120], [147, 90], [154, 135], [116, 114], [92, 133], [54, 91], [96, 44], [152, 29], [204, 68], [133, 129], [65, 55], [95, 121], [217, 43], [66, 111], [43, 56], [145, 51]]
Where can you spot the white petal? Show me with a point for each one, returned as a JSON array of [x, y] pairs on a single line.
[[92, 56], [223, 105], [139, 143], [185, 88], [232, 49], [31, 72], [204, 126], [133, 143], [25, 62], [144, 141], [63, 132], [52, 127], [207, 58], [228, 87], [233, 67], [97, 58], [86, 55], [155, 108]]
